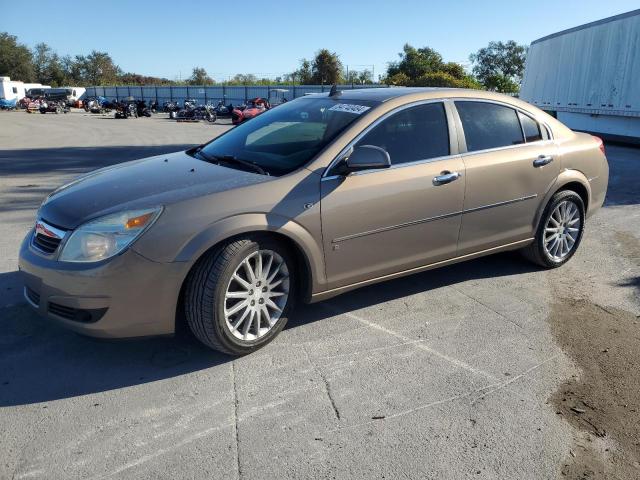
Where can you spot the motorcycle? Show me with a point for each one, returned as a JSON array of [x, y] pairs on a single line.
[[169, 107], [193, 112], [126, 108], [223, 110], [142, 109], [96, 105]]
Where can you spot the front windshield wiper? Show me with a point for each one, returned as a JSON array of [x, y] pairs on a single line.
[[230, 159]]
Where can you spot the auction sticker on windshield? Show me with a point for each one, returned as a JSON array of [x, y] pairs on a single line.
[[347, 108]]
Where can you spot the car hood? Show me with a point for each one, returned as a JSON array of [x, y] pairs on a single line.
[[149, 182]]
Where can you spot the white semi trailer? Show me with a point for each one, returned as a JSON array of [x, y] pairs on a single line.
[[589, 76]]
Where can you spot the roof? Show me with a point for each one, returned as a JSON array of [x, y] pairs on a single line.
[[589, 25], [381, 94]]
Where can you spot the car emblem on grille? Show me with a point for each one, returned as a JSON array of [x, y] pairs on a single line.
[[46, 230]]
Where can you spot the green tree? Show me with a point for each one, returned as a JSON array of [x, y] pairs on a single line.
[[199, 76], [303, 74], [97, 68], [416, 62], [424, 67], [15, 59], [47, 66], [499, 66], [326, 68]]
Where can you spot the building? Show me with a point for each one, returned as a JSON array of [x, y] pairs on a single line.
[[589, 76]]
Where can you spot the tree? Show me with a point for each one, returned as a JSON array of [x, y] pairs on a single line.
[[416, 62], [199, 76], [424, 67], [500, 66], [365, 76], [326, 68], [15, 59], [303, 74], [47, 66], [97, 68]]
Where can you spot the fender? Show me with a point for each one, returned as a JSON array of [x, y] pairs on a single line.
[[255, 222], [565, 177]]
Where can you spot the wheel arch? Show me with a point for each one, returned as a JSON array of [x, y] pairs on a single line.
[[568, 179], [307, 252]]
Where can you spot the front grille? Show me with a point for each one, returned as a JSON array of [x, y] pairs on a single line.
[[46, 244], [76, 314], [46, 238], [32, 296]]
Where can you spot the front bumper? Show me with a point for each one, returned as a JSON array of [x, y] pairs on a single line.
[[125, 296]]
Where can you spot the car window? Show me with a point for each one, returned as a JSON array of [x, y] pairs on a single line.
[[415, 133], [531, 128], [488, 125]]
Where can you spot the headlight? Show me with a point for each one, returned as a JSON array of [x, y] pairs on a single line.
[[107, 236]]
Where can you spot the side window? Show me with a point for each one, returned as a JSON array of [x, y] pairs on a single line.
[[531, 128], [14, 89], [415, 133], [488, 125]]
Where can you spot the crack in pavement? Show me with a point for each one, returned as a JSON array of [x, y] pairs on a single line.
[[235, 418], [327, 387], [501, 315]]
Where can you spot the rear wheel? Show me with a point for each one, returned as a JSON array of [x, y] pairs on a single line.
[[559, 232], [238, 298]]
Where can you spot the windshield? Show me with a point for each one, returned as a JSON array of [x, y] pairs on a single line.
[[285, 138]]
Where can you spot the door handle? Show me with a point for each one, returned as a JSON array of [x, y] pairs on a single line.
[[446, 177], [542, 160]]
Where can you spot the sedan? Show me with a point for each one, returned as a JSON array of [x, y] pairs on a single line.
[[322, 195]]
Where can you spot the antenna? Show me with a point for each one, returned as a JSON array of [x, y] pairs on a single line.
[[334, 91]]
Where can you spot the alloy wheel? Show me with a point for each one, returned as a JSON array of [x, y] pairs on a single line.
[[256, 295], [562, 230]]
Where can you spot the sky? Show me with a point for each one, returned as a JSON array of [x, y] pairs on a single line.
[[268, 38]]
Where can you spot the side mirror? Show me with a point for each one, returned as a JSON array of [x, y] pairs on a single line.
[[368, 157]]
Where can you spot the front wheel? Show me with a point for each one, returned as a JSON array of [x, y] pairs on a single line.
[[559, 232], [238, 298]]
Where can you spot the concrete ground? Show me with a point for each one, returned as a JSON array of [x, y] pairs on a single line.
[[446, 374]]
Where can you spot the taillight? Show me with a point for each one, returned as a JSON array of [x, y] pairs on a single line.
[[600, 144]]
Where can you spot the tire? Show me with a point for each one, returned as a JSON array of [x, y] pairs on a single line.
[[542, 254], [212, 278], [212, 117]]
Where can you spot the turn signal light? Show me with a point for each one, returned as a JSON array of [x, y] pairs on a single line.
[[138, 222]]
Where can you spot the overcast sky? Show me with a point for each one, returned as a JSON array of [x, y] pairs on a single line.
[[168, 38]]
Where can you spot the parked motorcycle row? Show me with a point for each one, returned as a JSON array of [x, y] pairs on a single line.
[[189, 111]]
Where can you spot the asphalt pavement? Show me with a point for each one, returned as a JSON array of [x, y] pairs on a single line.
[[445, 374]]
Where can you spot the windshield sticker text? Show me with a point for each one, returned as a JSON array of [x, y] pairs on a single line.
[[347, 108]]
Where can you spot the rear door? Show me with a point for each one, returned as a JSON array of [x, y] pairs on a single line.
[[511, 163], [379, 222]]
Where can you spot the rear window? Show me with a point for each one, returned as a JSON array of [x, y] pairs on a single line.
[[531, 128], [488, 125]]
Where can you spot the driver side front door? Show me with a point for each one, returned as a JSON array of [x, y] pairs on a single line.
[[380, 222]]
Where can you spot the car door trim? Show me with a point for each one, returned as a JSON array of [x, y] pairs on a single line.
[[431, 219], [500, 204], [395, 227]]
